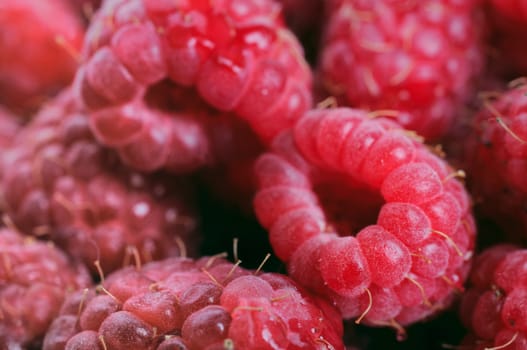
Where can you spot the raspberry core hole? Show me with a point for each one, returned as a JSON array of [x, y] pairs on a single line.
[[349, 205]]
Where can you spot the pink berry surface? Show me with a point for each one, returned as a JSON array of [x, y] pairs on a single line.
[[366, 215], [38, 56], [496, 159], [59, 183], [418, 58], [493, 307], [263, 174], [210, 303], [35, 278], [235, 56]]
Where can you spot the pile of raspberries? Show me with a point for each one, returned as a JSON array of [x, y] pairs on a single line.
[[263, 174]]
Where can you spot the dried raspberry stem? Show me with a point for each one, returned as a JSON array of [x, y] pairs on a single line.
[[368, 308], [503, 346]]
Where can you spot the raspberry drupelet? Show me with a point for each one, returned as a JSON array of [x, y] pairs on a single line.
[[496, 159], [364, 213], [234, 55], [205, 304], [493, 306], [10, 125], [39, 42], [35, 278], [419, 58], [60, 183]]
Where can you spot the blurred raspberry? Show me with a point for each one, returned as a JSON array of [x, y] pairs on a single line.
[[493, 307], [59, 182], [39, 42], [495, 158], [419, 58], [508, 29], [9, 127], [35, 277]]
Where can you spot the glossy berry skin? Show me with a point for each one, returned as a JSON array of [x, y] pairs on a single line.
[[493, 307], [37, 55], [35, 278], [210, 303], [508, 28], [60, 183], [234, 55], [497, 144], [366, 215], [418, 58]]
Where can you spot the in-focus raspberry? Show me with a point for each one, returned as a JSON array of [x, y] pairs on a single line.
[[367, 215], [235, 56], [209, 303]]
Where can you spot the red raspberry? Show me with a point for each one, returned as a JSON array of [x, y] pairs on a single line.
[[493, 307], [61, 183], [208, 304], [366, 215], [416, 57], [35, 277], [9, 127], [37, 42], [508, 19], [236, 55], [496, 159]]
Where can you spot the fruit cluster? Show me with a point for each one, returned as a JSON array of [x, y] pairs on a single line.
[[365, 159]]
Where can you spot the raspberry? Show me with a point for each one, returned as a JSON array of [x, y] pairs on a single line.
[[365, 215], [417, 58], [35, 278], [179, 303], [36, 52], [497, 144], [61, 183], [493, 307], [508, 22], [231, 56], [9, 127]]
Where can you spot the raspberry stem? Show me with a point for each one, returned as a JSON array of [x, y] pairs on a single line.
[[98, 267], [503, 346], [82, 301], [101, 338], [267, 256], [368, 308], [426, 301], [68, 47], [231, 271], [450, 241]]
